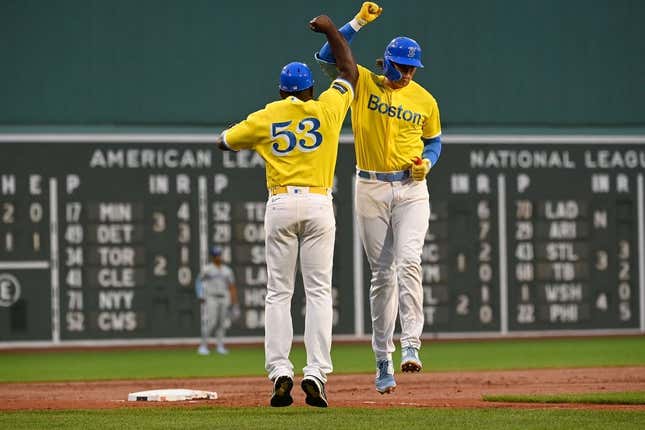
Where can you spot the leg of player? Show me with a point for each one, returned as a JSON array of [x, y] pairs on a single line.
[[208, 323], [281, 254], [316, 259], [372, 207], [203, 344], [410, 224], [220, 330]]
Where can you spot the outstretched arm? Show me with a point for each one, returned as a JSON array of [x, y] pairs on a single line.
[[369, 12], [340, 48]]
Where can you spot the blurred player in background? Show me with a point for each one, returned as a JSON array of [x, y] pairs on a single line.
[[397, 140], [216, 291], [298, 139]]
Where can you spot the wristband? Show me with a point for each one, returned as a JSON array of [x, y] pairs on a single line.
[[356, 24]]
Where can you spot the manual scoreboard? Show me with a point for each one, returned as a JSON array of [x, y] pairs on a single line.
[[103, 237]]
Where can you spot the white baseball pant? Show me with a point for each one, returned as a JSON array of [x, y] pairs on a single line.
[[215, 309], [299, 221], [393, 221]]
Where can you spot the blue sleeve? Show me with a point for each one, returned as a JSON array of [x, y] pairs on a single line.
[[325, 52], [432, 149]]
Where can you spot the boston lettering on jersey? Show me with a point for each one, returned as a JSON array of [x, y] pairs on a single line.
[[374, 103]]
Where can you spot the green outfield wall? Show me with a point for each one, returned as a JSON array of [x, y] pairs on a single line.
[[568, 63]]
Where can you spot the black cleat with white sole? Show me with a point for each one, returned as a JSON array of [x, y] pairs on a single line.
[[315, 391], [282, 391]]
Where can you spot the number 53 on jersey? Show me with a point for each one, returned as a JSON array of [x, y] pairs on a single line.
[[306, 137]]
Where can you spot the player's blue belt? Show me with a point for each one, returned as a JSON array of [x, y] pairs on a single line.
[[401, 175]]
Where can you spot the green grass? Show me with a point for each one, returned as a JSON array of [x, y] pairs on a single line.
[[624, 398], [64, 365], [536, 353], [336, 418], [60, 365], [135, 364]]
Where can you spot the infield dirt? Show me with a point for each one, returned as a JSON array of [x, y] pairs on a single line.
[[429, 389]]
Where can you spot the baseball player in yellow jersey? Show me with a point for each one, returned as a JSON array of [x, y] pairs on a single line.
[[298, 139], [397, 140]]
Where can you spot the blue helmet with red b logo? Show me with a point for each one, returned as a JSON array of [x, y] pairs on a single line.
[[295, 77], [401, 50]]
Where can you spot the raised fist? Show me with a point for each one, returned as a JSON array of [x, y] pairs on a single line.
[[321, 24], [368, 13]]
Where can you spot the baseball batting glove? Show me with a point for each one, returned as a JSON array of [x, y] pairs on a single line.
[[420, 168], [368, 13]]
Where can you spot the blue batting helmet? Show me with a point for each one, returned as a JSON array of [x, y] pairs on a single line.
[[295, 77], [215, 251], [401, 50]]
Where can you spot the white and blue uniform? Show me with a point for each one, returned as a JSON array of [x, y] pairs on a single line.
[[212, 285]]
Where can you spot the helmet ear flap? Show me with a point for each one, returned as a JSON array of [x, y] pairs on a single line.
[[390, 71]]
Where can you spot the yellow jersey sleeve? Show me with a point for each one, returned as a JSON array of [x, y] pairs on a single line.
[[336, 100], [432, 124], [244, 134]]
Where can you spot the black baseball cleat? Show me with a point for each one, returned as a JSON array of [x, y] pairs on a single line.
[[315, 391], [281, 396]]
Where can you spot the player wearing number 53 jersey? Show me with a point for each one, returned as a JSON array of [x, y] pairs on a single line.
[[397, 140], [298, 138]]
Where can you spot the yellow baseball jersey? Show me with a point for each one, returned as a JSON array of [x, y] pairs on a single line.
[[388, 124], [297, 140]]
